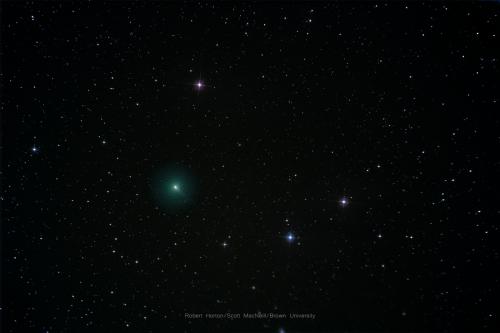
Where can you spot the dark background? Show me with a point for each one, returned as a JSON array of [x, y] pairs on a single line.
[[393, 106]]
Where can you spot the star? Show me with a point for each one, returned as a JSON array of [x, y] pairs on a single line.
[[34, 149], [176, 188], [224, 244], [343, 202], [199, 85], [290, 237]]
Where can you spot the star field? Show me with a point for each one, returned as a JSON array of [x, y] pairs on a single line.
[[169, 166]]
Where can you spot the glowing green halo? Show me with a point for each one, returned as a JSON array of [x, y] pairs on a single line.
[[173, 188]]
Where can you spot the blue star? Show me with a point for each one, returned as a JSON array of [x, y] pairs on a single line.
[[290, 237]]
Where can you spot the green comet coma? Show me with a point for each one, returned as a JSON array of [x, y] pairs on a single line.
[[173, 188]]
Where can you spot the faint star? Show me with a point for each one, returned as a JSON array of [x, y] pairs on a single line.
[[379, 236], [176, 187], [224, 244], [34, 149]]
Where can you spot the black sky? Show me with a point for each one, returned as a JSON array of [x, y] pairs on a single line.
[[390, 106]]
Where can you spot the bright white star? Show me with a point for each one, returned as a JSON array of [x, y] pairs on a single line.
[[199, 85]]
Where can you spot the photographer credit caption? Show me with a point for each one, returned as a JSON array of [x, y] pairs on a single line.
[[245, 315]]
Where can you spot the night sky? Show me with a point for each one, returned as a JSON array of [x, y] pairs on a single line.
[[330, 160]]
